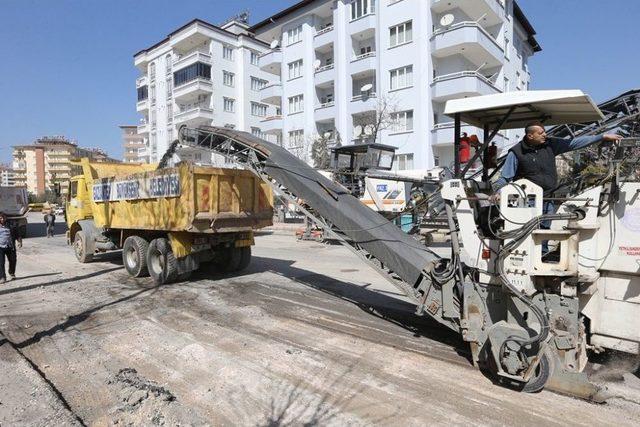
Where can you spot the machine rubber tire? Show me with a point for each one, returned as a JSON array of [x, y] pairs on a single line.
[[161, 263], [134, 256], [245, 258], [543, 372], [81, 248]]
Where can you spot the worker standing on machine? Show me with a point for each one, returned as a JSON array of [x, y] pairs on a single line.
[[534, 158]]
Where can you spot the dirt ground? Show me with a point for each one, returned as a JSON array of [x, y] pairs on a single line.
[[307, 335]]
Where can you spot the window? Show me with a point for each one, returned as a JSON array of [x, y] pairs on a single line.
[[254, 57], [257, 84], [227, 53], [294, 35], [401, 77], [259, 110], [257, 132], [228, 78], [404, 161], [295, 69], [168, 63], [153, 94], [152, 71], [192, 72], [402, 121], [74, 189], [295, 104], [153, 117], [400, 34], [296, 138], [170, 134], [169, 88], [143, 93], [229, 105], [506, 48], [360, 8], [169, 114]]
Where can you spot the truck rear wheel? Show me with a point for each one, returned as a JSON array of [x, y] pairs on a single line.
[[134, 256], [245, 258], [81, 247], [234, 259], [161, 263]]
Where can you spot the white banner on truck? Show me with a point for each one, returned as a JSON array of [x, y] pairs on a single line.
[[150, 187]]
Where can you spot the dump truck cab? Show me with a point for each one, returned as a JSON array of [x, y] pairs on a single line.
[[77, 205]]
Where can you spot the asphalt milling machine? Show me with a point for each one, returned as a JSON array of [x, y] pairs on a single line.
[[530, 323]]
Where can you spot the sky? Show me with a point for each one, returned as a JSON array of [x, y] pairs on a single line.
[[67, 65]]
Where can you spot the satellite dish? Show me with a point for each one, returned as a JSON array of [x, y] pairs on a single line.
[[327, 135], [447, 20], [274, 44], [316, 64], [368, 130], [366, 88], [357, 131]]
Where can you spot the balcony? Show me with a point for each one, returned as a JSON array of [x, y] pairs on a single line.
[[142, 105], [190, 37], [271, 61], [141, 81], [325, 112], [363, 63], [191, 58], [442, 134], [272, 94], [143, 128], [492, 10], [271, 125], [363, 103], [193, 88], [194, 116], [470, 40], [325, 75], [323, 37], [461, 85], [363, 24]]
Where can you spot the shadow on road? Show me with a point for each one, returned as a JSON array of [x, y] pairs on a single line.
[[56, 282], [39, 229], [375, 303]]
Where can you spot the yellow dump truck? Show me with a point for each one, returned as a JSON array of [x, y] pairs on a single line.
[[168, 222]]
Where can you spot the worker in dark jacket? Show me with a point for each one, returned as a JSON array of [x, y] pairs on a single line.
[[534, 158], [9, 235]]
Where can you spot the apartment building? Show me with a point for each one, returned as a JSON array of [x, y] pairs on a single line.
[[47, 161], [7, 176], [200, 74], [134, 146], [363, 70]]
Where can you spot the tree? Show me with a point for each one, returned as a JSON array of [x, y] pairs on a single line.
[[378, 120], [320, 149]]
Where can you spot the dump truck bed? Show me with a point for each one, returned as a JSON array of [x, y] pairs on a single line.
[[182, 198]]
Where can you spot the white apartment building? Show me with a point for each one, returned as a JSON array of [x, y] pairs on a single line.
[[338, 66], [200, 74], [7, 177]]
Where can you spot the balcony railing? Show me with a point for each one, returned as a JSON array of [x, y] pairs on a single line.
[[141, 81], [270, 51], [324, 30], [325, 105], [373, 12], [362, 97], [459, 74], [324, 68], [196, 56], [467, 24], [363, 56]]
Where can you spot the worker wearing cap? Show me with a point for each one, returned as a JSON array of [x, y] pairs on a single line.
[[534, 158]]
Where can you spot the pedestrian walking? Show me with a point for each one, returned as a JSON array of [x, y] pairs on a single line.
[[9, 236], [50, 220]]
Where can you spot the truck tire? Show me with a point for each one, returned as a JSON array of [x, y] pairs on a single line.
[[229, 260], [245, 258], [134, 256], [161, 263], [81, 248]]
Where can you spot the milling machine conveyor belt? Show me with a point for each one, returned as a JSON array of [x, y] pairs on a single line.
[[396, 251]]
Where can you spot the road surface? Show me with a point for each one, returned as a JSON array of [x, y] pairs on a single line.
[[307, 335]]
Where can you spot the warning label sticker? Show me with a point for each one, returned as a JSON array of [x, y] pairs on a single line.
[[629, 250]]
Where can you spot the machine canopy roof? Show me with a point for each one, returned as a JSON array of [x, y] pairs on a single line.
[[552, 107]]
